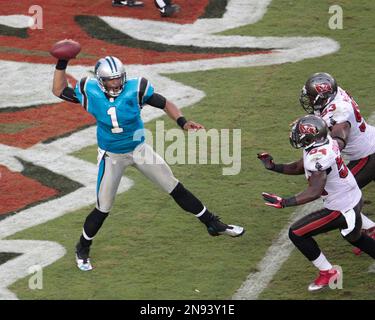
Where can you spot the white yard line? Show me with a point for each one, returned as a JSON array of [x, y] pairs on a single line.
[[274, 258]]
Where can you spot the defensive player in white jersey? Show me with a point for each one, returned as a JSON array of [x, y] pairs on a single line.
[[116, 103], [330, 179], [321, 96]]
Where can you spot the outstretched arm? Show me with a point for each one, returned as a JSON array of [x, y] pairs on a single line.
[[158, 101], [315, 189], [292, 168], [174, 113]]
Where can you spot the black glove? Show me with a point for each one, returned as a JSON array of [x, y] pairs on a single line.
[[267, 160]]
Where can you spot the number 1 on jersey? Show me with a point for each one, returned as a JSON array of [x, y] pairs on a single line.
[[116, 128]]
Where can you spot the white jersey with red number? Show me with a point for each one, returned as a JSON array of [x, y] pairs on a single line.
[[361, 139], [341, 192]]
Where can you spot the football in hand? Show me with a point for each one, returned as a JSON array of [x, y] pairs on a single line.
[[65, 49]]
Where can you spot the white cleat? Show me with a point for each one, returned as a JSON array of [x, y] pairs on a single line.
[[82, 258], [83, 264], [233, 231], [216, 228]]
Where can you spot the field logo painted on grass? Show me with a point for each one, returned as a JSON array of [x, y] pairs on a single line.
[[39, 129]]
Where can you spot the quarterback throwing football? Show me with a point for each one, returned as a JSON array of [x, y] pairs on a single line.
[[116, 102]]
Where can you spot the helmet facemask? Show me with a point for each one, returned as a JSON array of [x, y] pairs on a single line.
[[113, 86], [298, 140], [111, 75], [314, 104], [306, 101]]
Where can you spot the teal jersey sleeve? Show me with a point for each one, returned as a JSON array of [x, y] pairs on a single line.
[[80, 91], [145, 91]]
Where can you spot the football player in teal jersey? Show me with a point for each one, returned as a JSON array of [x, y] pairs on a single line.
[[116, 104]]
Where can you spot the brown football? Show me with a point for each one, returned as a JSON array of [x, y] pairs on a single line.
[[65, 49]]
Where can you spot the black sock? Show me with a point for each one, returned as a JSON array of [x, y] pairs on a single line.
[[206, 216], [366, 244], [92, 225], [188, 202]]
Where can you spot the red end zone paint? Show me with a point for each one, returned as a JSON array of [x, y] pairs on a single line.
[[58, 24], [17, 191], [47, 122]]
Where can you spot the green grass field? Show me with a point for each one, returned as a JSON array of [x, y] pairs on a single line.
[[150, 249]]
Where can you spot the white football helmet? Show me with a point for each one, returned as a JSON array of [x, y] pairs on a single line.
[[109, 68]]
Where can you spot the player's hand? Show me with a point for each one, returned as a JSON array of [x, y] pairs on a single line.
[[267, 160], [191, 125], [273, 200]]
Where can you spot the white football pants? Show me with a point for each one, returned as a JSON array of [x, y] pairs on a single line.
[[112, 166]]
